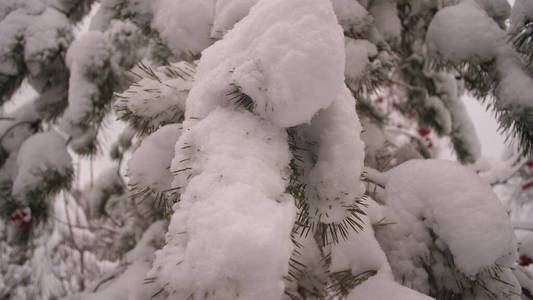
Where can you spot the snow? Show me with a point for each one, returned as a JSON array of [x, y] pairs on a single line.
[[358, 55], [40, 153], [149, 166], [463, 32], [514, 88], [232, 168], [184, 26], [32, 7], [462, 210], [46, 36], [521, 11], [381, 288], [108, 184], [499, 10], [333, 183], [386, 20], [17, 134], [158, 100], [130, 284], [461, 128], [360, 253], [286, 56], [351, 15], [86, 57], [228, 13], [11, 31]]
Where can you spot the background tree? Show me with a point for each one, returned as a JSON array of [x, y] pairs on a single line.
[[270, 148]]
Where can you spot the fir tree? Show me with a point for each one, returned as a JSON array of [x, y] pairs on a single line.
[[272, 149]]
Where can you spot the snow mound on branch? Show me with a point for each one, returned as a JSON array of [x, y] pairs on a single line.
[[46, 37], [232, 210], [11, 33], [522, 10], [464, 31], [333, 182], [287, 56], [381, 288], [150, 163], [463, 211], [386, 19], [184, 25], [358, 58], [352, 16], [39, 153], [228, 13], [514, 89]]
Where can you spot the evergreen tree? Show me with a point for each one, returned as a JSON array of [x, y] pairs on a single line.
[[273, 149]]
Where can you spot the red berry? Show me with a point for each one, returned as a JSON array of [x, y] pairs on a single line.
[[527, 185], [423, 131], [525, 260]]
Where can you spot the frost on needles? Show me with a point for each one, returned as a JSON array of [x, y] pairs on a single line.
[[272, 149]]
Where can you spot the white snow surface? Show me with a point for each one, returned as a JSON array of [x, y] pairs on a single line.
[[288, 56], [45, 37], [41, 152], [382, 288], [162, 99], [233, 170], [149, 165], [521, 11], [184, 25], [358, 55], [228, 13], [464, 31], [334, 182], [386, 19], [462, 210], [12, 29], [351, 15]]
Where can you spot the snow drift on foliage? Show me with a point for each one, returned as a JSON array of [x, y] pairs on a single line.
[[149, 165], [464, 31], [231, 166], [38, 155], [462, 209], [287, 56]]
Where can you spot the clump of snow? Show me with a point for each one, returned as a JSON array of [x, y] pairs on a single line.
[[460, 126], [522, 10], [131, 284], [228, 13], [11, 36], [360, 253], [463, 32], [352, 16], [462, 210], [16, 128], [232, 167], [149, 166], [288, 60], [333, 183], [386, 19], [184, 25], [499, 10], [381, 288], [87, 57], [358, 58], [108, 184], [513, 90], [158, 98], [40, 153], [45, 38]]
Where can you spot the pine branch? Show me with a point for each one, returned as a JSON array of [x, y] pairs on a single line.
[[522, 41]]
